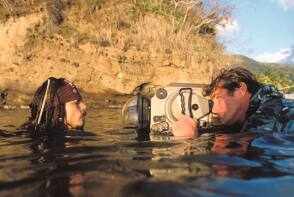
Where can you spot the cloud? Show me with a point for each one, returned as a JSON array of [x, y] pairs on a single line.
[[227, 31], [228, 26], [285, 56], [228, 34], [286, 4], [290, 58]]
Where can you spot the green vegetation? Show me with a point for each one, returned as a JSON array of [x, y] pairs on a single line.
[[17, 8], [189, 17], [68, 31], [176, 22], [169, 28], [277, 74]]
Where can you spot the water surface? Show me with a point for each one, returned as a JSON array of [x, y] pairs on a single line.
[[106, 160]]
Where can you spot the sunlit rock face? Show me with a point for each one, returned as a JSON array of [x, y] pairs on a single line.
[[29, 55]]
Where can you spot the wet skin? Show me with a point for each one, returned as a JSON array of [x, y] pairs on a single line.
[[75, 113], [229, 107]]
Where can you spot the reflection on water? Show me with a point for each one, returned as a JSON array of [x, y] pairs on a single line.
[[108, 160]]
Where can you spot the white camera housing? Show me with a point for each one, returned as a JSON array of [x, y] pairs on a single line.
[[170, 102], [156, 108]]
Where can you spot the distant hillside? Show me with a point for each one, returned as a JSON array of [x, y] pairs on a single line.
[[281, 75]]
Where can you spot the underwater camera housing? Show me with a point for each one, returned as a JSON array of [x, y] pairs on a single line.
[[160, 107]]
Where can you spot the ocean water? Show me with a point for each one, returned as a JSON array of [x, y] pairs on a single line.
[[108, 160]]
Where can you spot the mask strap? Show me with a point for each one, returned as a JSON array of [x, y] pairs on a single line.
[[43, 104]]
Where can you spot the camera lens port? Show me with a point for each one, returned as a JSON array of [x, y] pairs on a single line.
[[195, 107]]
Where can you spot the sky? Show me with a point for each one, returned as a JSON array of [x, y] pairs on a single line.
[[260, 29]]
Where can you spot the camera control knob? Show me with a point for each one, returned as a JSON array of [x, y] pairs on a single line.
[[159, 118], [195, 107], [161, 93]]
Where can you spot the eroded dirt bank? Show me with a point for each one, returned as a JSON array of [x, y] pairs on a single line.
[[103, 71]]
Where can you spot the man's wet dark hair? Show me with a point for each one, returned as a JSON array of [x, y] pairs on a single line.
[[48, 105], [231, 79]]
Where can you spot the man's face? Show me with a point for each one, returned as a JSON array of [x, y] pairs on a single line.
[[75, 113], [228, 107]]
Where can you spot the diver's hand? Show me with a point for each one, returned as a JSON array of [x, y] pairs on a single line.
[[185, 127]]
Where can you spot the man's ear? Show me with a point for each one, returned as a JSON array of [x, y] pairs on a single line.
[[243, 88]]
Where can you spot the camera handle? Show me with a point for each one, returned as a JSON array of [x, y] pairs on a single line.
[[183, 101], [201, 129], [210, 105]]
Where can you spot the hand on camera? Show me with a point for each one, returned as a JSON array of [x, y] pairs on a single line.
[[185, 127]]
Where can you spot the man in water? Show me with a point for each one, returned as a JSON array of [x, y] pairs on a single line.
[[57, 105], [239, 99]]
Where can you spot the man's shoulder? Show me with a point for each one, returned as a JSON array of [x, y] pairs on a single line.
[[273, 115], [288, 108], [269, 97], [278, 107]]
